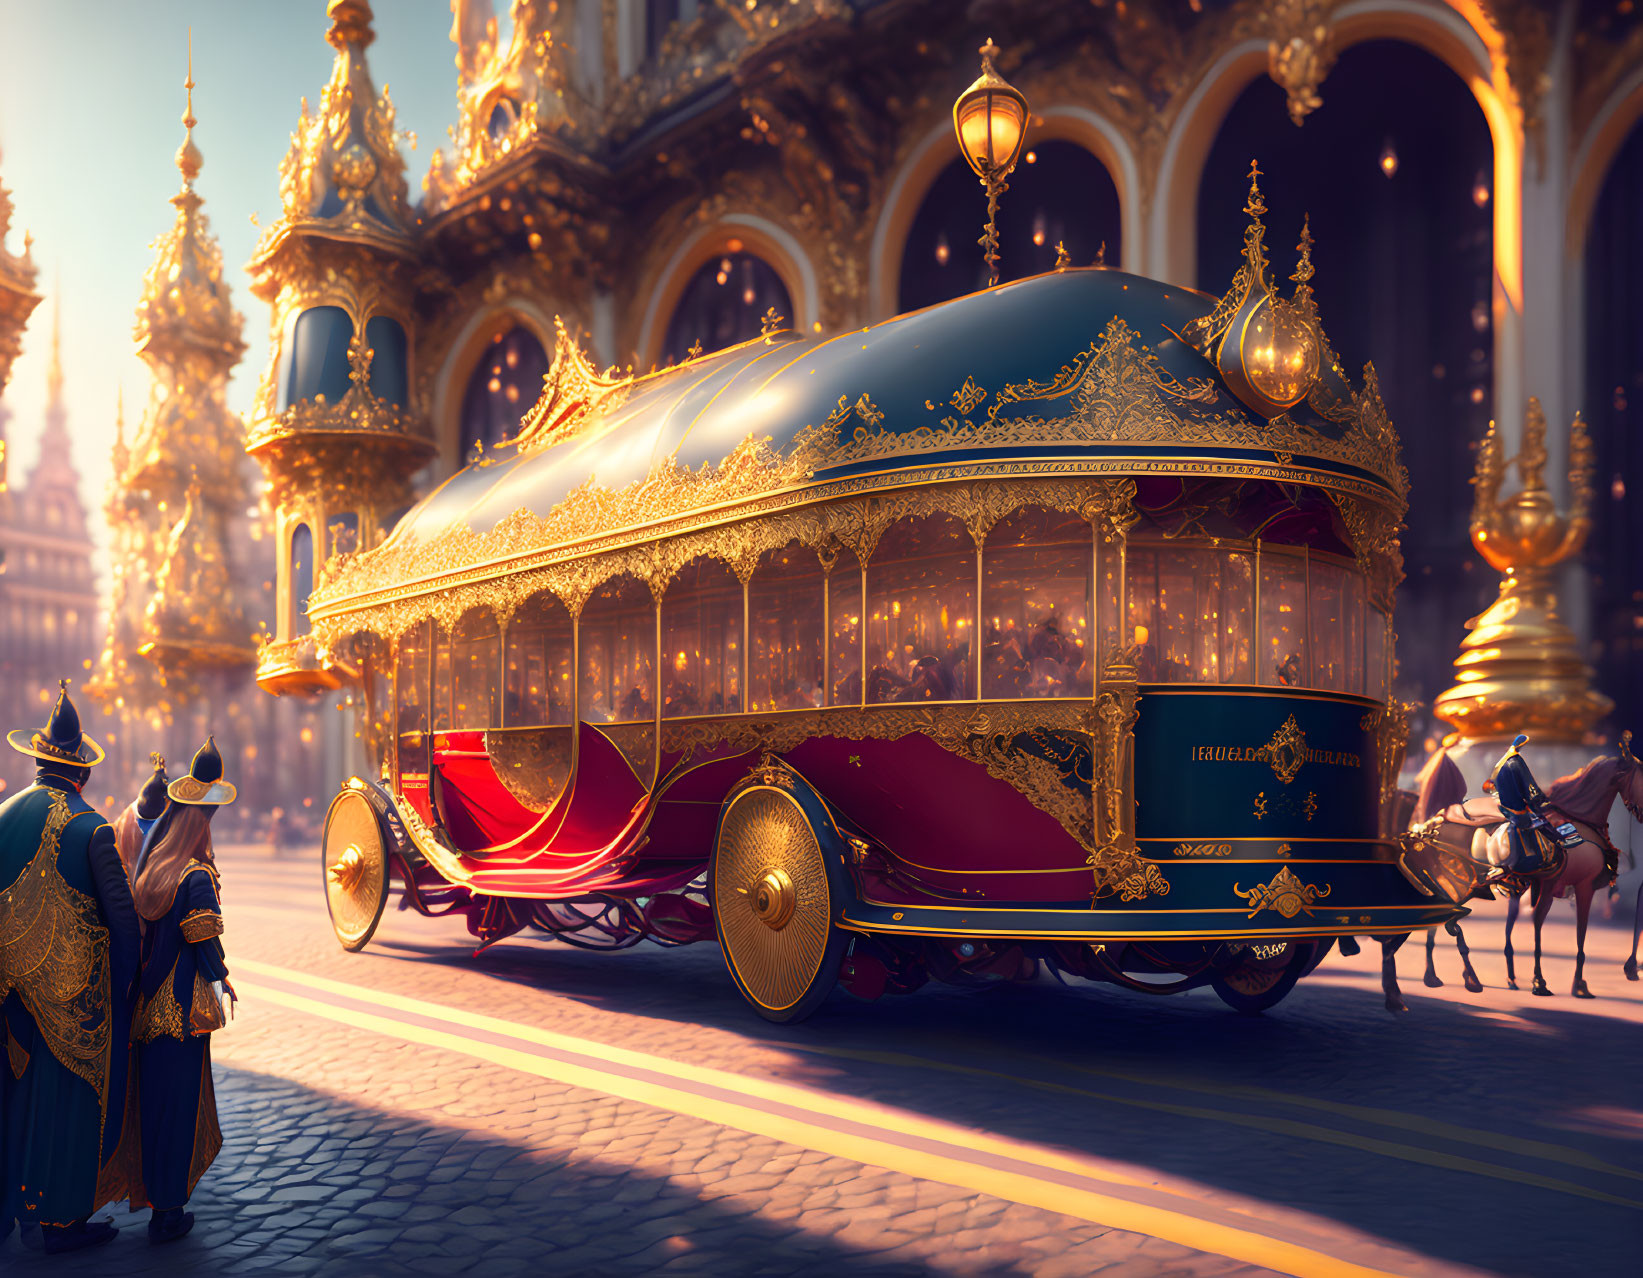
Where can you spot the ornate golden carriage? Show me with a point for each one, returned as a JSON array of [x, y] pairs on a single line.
[[1050, 624]]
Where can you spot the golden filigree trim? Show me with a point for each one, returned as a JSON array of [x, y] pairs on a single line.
[[572, 393], [54, 954], [161, 1016], [1286, 893], [986, 734], [201, 925], [1118, 391]]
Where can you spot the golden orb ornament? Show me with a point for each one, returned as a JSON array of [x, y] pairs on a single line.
[[1278, 356]]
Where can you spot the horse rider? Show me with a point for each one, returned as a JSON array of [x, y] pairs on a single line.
[[68, 960], [1529, 833]]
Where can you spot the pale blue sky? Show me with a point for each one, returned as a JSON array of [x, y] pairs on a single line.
[[91, 99]]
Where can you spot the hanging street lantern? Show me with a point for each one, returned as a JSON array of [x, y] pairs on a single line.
[[990, 118]]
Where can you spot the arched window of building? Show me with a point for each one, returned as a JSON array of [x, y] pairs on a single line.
[[302, 577], [725, 303], [503, 386], [1613, 404], [1059, 193], [1402, 214], [316, 361], [390, 371]]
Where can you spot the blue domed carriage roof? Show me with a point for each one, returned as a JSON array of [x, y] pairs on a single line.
[[1080, 371]]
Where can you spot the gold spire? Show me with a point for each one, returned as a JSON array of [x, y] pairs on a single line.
[[1255, 233], [343, 171], [185, 300], [188, 155], [1303, 268], [54, 370]]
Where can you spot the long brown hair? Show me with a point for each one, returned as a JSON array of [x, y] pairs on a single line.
[[186, 837]]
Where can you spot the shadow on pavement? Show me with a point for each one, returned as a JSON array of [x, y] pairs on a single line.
[[309, 1184], [1039, 1061]]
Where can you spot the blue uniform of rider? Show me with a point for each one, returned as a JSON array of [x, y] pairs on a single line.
[[1523, 805]]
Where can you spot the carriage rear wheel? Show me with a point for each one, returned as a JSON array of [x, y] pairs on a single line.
[[1259, 977], [354, 863], [773, 905]]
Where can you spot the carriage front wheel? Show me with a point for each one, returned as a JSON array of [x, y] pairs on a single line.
[[1259, 977], [354, 865], [773, 905]]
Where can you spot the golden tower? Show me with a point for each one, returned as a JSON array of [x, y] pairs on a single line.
[[334, 427], [1518, 669], [176, 611]]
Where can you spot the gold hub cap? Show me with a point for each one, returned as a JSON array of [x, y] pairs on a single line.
[[356, 869], [349, 870], [771, 897]]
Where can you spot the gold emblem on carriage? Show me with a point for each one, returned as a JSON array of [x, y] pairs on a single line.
[[1286, 751], [1286, 894]]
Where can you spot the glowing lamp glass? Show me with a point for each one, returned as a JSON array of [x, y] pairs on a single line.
[[991, 121]]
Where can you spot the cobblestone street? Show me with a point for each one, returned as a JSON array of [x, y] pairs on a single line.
[[415, 1109]]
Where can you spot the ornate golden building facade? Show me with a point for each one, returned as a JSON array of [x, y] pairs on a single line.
[[188, 552], [664, 174], [49, 602]]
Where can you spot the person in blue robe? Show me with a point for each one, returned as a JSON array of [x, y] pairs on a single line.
[[68, 959], [184, 981], [1523, 805]]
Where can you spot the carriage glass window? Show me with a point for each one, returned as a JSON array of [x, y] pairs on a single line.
[[1189, 614], [475, 652], [1283, 658], [442, 678], [844, 643], [411, 691], [1377, 654], [1237, 618], [617, 637], [921, 585], [702, 641], [538, 687], [1328, 602], [1353, 616], [1109, 625], [784, 608], [1035, 607]]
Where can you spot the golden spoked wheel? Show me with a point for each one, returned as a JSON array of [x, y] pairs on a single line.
[[354, 862], [773, 905]]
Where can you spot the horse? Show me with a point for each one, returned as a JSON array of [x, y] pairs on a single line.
[[1439, 786], [1583, 798]]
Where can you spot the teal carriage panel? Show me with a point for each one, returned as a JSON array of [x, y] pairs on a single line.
[[1253, 766]]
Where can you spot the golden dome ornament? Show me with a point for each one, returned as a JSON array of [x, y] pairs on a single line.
[[1519, 668], [1267, 350]]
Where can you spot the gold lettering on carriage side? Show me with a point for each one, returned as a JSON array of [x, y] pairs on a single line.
[[1287, 752], [1202, 849]]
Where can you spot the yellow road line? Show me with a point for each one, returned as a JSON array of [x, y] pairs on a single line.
[[1085, 1204], [1544, 1150], [1279, 1126]]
